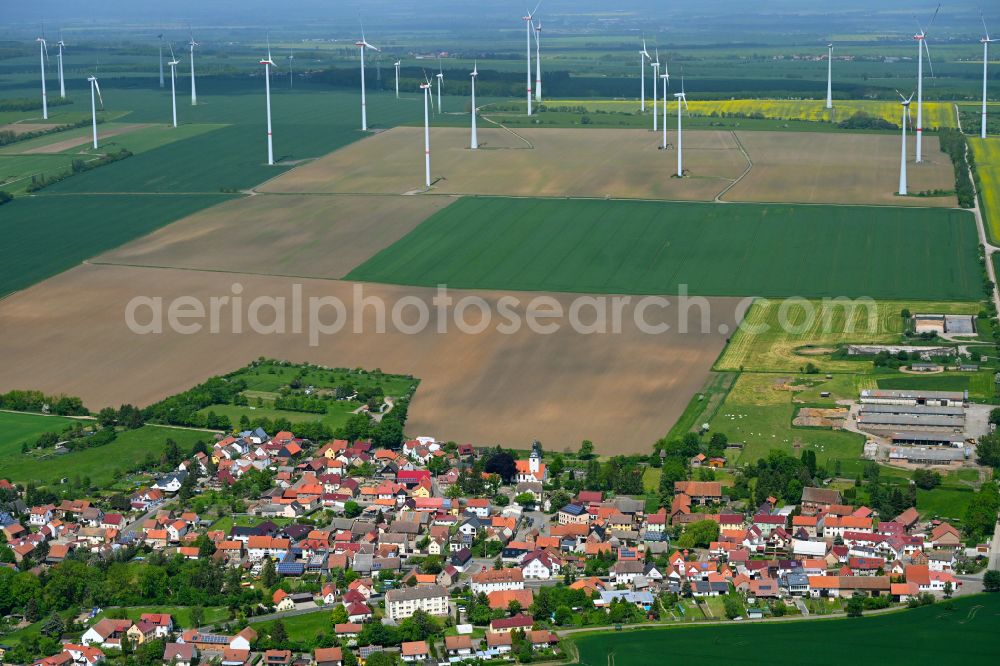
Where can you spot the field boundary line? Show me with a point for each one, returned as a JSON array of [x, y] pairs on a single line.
[[530, 145], [739, 144]]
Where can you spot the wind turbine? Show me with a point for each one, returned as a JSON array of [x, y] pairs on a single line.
[[160, 37], [363, 44], [194, 92], [829, 76], [538, 63], [921, 38], [986, 53], [396, 65], [268, 64], [643, 55], [666, 80], [527, 26], [902, 158], [291, 62], [93, 104], [475, 138], [426, 87], [173, 82], [43, 55], [62, 81], [656, 75], [681, 97], [440, 80]]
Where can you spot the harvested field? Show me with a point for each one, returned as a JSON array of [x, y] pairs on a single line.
[[822, 167], [562, 162], [560, 388], [84, 139], [296, 235]]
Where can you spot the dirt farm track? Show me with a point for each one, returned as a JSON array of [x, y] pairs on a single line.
[[623, 391]]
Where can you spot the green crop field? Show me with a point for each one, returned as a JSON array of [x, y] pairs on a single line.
[[638, 247], [960, 631], [46, 235], [100, 463]]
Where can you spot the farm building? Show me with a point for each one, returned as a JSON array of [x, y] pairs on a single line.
[[928, 422], [913, 438], [920, 455], [915, 397], [925, 353]]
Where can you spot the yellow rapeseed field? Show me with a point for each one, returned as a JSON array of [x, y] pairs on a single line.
[[987, 156], [936, 114]]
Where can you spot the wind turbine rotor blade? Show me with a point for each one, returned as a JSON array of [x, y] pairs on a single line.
[[927, 50], [935, 15], [97, 87]]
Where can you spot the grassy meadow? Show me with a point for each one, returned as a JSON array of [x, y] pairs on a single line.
[[815, 329], [100, 464], [636, 247]]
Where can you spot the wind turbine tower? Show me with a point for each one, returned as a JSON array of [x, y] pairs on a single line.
[[43, 54], [681, 97], [527, 26], [902, 153], [396, 65], [291, 62], [268, 64], [440, 79], [475, 138], [921, 39], [173, 83], [656, 75], [194, 91], [426, 87], [666, 80], [538, 62], [93, 104], [643, 56], [829, 76], [986, 58], [62, 81], [363, 44]]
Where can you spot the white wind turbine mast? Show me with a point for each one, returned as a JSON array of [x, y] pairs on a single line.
[[643, 55], [93, 104], [986, 58], [363, 44], [62, 81], [475, 138], [921, 39], [268, 64], [426, 87], [527, 25], [666, 81], [440, 79], [656, 75], [829, 76], [538, 62], [681, 97], [43, 55], [291, 62], [194, 91], [173, 83], [396, 65], [902, 158], [160, 37]]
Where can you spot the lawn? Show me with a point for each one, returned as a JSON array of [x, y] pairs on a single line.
[[962, 631], [814, 330], [16, 428], [704, 404], [181, 614], [45, 235], [987, 155], [272, 377], [337, 413], [944, 502], [303, 627], [99, 464], [639, 247], [226, 523], [758, 413]]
